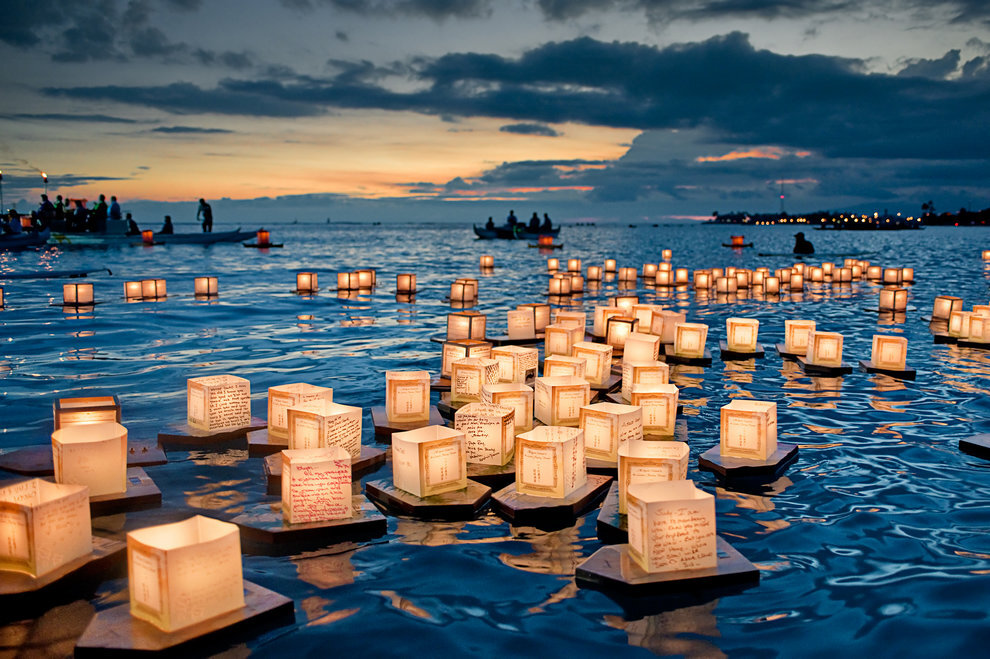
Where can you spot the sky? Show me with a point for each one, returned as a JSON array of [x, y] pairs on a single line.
[[415, 110]]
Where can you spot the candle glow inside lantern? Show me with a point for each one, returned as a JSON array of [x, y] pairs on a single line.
[[148, 237], [625, 302], [945, 305], [153, 289], [702, 279], [681, 276], [641, 347], [610, 265], [518, 397], [642, 372], [520, 324], [558, 400], [560, 339], [550, 462], [842, 275], [464, 290], [959, 322], [218, 402], [469, 375], [607, 426], [553, 265], [618, 329], [671, 526], [816, 274], [748, 429], [306, 282], [407, 396], [979, 329], [574, 265], [461, 348], [405, 282], [486, 262], [742, 278], [627, 274], [796, 282], [771, 285], [489, 432], [89, 409], [184, 573], [664, 278], [599, 360], [907, 275], [594, 273], [77, 294], [560, 285], [889, 352], [741, 334], [689, 339], [348, 281], [206, 286], [367, 278], [264, 238], [796, 333], [320, 424], [649, 317], [284, 396], [649, 270], [132, 290], [670, 321], [725, 285], [577, 283], [659, 403], [643, 461], [560, 365], [516, 363], [466, 325], [893, 299], [1, 298], [43, 526], [874, 272], [757, 278], [571, 319], [316, 485], [824, 348], [540, 311], [891, 276], [92, 454], [602, 314], [430, 460]]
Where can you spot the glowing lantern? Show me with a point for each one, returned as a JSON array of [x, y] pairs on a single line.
[[610, 265], [725, 285], [282, 397], [545, 241], [828, 268], [796, 333], [771, 285], [602, 314], [320, 424], [757, 278], [316, 485], [486, 262], [842, 275], [816, 274], [649, 317], [553, 265], [348, 281], [702, 279], [979, 329], [466, 325], [742, 279], [670, 321], [945, 305], [659, 403], [681, 276], [649, 270], [574, 265], [666, 254], [824, 348], [92, 454], [518, 397], [671, 526], [607, 426], [540, 312], [889, 352], [625, 302], [461, 348], [689, 339], [264, 238], [664, 278], [153, 289], [959, 322], [148, 237], [577, 283], [405, 282], [618, 329], [184, 573], [645, 372], [571, 319], [599, 360], [784, 275], [748, 429], [641, 347], [43, 526], [560, 285], [627, 274], [516, 363], [464, 290], [558, 400], [643, 461], [407, 396], [91, 409], [741, 334], [550, 462], [560, 339], [1, 298], [874, 272], [367, 278], [594, 273], [430, 460], [489, 432], [796, 282], [891, 276], [556, 366], [857, 272], [306, 282], [468, 375], [206, 286], [77, 294], [986, 255], [218, 402], [738, 241], [132, 290], [893, 299]]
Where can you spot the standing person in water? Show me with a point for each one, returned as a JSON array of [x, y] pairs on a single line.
[[206, 213], [802, 246], [167, 228]]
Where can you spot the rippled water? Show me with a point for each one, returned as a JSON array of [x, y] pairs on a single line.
[[875, 540]]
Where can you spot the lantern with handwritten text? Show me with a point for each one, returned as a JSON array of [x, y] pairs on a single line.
[[671, 526], [517, 396], [469, 375], [319, 424], [642, 372], [489, 432], [644, 461], [520, 324], [43, 526], [748, 429], [430, 460], [599, 360], [607, 426], [407, 396], [516, 363], [560, 339], [460, 349], [316, 485], [466, 325], [218, 402], [560, 365], [282, 397], [550, 462]]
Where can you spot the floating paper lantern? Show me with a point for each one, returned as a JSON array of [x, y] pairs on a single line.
[[828, 268], [784, 275], [627, 274], [610, 265], [466, 325], [550, 462], [545, 241], [670, 321], [405, 282], [282, 397], [558, 400], [577, 283], [264, 238], [607, 426], [757, 278], [702, 279], [77, 294], [664, 278], [560, 339], [306, 282], [348, 281], [742, 279], [796, 282], [681, 277], [666, 254], [771, 285], [689, 339], [725, 285], [574, 265], [671, 526], [618, 329], [842, 275], [564, 365], [981, 309], [641, 347], [625, 302], [516, 396], [206, 286], [43, 526], [540, 312], [489, 432], [468, 375], [856, 271], [461, 348], [218, 402], [907, 275], [81, 411], [738, 241], [184, 573], [430, 460], [741, 334], [649, 270], [649, 317], [92, 454], [148, 237], [516, 363], [986, 255], [945, 305], [153, 289], [642, 372], [959, 322], [602, 314], [979, 329], [2, 303], [599, 360], [659, 403], [407, 396], [570, 319], [486, 262], [319, 424], [796, 333], [874, 272], [560, 285], [824, 349], [464, 290], [643, 461], [891, 276], [594, 273], [132, 290], [816, 274], [748, 429], [889, 352], [316, 485], [893, 299], [553, 265], [367, 278]]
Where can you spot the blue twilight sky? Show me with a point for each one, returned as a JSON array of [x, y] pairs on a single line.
[[437, 109]]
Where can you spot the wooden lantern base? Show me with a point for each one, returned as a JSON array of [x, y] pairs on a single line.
[[906, 374], [612, 528], [978, 445], [449, 506], [141, 493], [671, 358], [943, 337], [713, 461], [37, 460], [21, 592], [973, 344], [440, 383], [828, 371], [504, 340], [448, 408], [115, 631], [738, 355], [183, 437], [494, 476], [385, 428], [610, 569], [612, 383], [260, 443], [370, 459], [530, 510], [264, 531], [616, 397], [792, 356]]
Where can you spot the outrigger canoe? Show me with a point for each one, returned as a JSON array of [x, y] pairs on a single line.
[[23, 240], [519, 232], [196, 238]]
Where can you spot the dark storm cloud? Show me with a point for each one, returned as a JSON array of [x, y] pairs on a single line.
[[932, 68], [92, 118], [438, 10], [189, 130], [530, 129]]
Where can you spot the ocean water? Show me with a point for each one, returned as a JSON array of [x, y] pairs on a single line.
[[877, 540]]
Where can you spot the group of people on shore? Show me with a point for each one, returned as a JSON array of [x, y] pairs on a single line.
[[534, 222], [59, 216]]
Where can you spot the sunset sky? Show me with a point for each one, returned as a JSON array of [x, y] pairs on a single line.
[[437, 109]]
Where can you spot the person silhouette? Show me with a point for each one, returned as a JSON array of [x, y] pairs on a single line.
[[167, 228], [801, 245], [207, 215]]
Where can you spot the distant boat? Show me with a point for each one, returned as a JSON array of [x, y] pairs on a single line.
[[519, 232], [15, 241], [196, 238]]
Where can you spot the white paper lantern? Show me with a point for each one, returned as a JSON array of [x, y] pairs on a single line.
[[607, 426], [741, 334], [825, 349], [945, 305], [430, 460], [153, 289], [206, 286], [645, 461], [641, 347], [518, 397], [796, 333], [889, 352], [748, 429], [282, 397], [316, 485], [306, 282], [92, 454], [893, 299], [407, 396], [689, 339], [671, 526], [516, 363], [550, 462], [670, 321], [460, 349], [405, 282], [659, 403], [77, 294], [218, 402], [469, 375], [558, 400], [466, 325], [571, 319], [520, 324], [617, 328], [560, 339], [89, 409], [564, 365], [489, 432], [599, 360], [321, 424], [642, 372]]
